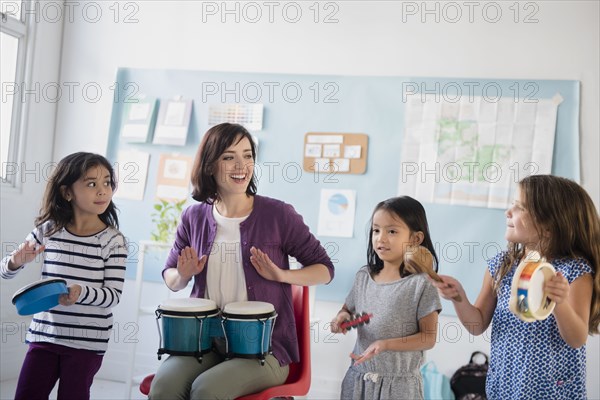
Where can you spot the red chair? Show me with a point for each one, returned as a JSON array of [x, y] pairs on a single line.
[[298, 380]]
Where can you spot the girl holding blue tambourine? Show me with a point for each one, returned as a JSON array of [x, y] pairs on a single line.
[[539, 355], [77, 233]]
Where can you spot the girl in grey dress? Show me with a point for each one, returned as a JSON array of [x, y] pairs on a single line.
[[390, 349]]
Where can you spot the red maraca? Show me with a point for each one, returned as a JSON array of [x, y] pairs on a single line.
[[358, 320]]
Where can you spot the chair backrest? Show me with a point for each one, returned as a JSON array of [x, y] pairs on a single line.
[[299, 376], [300, 298]]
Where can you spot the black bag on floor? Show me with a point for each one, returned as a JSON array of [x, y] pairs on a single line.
[[468, 382]]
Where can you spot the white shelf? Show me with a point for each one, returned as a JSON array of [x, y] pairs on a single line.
[[145, 310], [149, 310]]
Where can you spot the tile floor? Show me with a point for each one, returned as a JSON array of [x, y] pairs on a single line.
[[111, 390], [101, 390]]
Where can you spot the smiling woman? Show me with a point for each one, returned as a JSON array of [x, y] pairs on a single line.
[[235, 168], [225, 156], [235, 245]]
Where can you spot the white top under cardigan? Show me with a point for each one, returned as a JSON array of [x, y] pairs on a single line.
[[225, 279]]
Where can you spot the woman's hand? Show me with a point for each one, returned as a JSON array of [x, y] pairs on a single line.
[[449, 288], [188, 263], [557, 288], [265, 267], [70, 298], [26, 253], [375, 348]]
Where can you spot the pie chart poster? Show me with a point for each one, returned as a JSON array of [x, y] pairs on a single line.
[[336, 213]]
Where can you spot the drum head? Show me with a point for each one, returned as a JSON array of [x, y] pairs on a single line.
[[39, 296], [528, 300], [536, 292], [249, 309], [540, 304], [189, 305]]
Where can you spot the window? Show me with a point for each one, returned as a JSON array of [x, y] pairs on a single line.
[[15, 36]]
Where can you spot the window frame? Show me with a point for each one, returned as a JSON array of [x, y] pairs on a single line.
[[23, 29]]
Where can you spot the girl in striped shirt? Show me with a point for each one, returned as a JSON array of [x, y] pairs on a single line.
[[77, 233]]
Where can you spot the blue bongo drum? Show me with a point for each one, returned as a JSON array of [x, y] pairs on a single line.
[[248, 328], [186, 326]]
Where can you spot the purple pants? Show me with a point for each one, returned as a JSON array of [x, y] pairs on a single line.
[[45, 363]]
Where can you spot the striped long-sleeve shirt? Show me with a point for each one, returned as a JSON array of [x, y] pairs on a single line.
[[97, 264]]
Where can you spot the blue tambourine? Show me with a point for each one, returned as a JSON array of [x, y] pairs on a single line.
[[39, 296]]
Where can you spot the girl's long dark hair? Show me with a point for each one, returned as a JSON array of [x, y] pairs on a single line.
[[413, 214], [56, 208]]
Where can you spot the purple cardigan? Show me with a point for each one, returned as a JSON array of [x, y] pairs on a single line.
[[273, 227]]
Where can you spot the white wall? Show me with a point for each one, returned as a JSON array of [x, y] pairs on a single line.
[[370, 38], [19, 206]]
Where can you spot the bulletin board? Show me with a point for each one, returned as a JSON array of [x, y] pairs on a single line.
[[464, 237], [347, 152]]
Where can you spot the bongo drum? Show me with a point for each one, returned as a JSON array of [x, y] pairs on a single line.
[[528, 300], [39, 296], [248, 328], [185, 326]]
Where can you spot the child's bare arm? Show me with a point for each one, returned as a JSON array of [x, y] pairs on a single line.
[[475, 317], [572, 309], [423, 340]]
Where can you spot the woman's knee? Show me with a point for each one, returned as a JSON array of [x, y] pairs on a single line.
[[165, 387], [176, 374], [203, 393]]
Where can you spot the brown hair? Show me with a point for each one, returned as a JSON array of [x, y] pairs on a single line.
[[56, 208], [564, 208], [214, 143]]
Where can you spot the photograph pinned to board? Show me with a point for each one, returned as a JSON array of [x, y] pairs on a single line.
[[336, 213], [173, 122], [313, 150], [250, 116], [344, 153], [132, 171], [139, 118], [173, 177]]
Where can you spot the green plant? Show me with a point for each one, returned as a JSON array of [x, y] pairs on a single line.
[[166, 216]]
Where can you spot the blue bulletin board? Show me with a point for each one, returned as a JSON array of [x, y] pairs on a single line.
[[296, 104]]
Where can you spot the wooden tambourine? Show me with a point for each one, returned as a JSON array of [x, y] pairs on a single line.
[[527, 298]]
